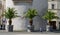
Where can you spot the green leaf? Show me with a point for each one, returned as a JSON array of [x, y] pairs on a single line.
[[10, 13], [31, 13], [50, 15]]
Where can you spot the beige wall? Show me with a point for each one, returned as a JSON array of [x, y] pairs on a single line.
[[56, 10], [50, 3]]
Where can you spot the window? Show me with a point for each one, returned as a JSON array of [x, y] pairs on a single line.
[[52, 0], [52, 6], [26, 1], [22, 1]]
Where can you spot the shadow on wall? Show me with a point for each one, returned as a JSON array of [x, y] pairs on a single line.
[[39, 22]]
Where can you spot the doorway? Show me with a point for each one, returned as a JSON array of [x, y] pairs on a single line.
[[59, 25], [53, 24]]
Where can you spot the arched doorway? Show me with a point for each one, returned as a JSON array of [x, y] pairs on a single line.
[[53, 24], [59, 25]]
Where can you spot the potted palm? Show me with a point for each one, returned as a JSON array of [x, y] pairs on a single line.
[[9, 14], [31, 13], [49, 16]]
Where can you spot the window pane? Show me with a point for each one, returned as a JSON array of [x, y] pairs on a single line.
[[52, 6]]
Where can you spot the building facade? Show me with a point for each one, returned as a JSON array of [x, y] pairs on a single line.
[[54, 6], [22, 6]]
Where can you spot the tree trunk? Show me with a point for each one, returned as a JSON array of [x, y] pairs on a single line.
[[48, 22], [10, 21], [31, 25], [50, 26], [31, 22]]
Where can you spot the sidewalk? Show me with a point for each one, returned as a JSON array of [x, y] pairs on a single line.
[[4, 31]]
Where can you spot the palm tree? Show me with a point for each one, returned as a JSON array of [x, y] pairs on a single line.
[[31, 13], [10, 14], [49, 16]]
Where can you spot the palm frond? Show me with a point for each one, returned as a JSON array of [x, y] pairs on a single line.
[[10, 13], [50, 15], [31, 13]]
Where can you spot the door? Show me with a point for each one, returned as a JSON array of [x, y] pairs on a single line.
[[53, 24], [59, 25]]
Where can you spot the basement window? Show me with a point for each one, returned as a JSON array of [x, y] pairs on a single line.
[[23, 1], [52, 0]]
